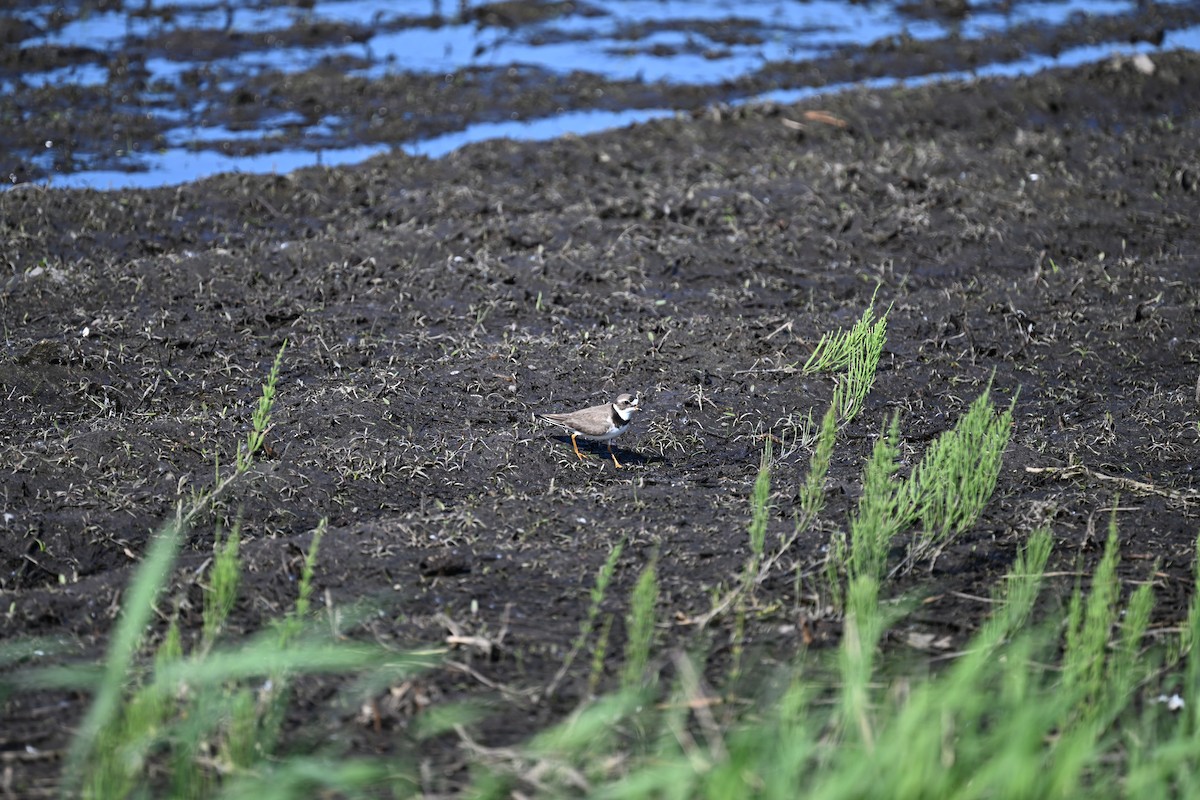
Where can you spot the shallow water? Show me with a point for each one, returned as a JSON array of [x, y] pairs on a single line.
[[146, 59]]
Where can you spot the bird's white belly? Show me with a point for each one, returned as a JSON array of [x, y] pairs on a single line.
[[604, 437]]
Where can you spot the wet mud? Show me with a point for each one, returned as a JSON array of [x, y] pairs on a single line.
[[1036, 233], [237, 93]]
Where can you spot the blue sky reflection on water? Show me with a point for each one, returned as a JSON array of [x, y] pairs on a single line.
[[704, 42]]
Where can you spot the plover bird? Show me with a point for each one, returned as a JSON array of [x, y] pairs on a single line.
[[601, 423]]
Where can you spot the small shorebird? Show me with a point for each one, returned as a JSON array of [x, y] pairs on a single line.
[[602, 423]]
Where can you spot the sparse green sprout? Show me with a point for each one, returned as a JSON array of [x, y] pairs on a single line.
[[812, 501], [796, 433], [604, 577], [837, 350], [860, 636], [957, 476], [100, 738], [639, 626], [1090, 624], [882, 510], [189, 725], [757, 567], [304, 595], [997, 720], [1190, 638], [261, 419], [1016, 596], [171, 647], [737, 638], [812, 494], [853, 386], [221, 592], [947, 491], [760, 509], [124, 746], [837, 557], [599, 654], [855, 354], [240, 745], [272, 701], [1188, 645], [1124, 672], [260, 422]]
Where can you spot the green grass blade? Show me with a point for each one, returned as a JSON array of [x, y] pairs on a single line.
[[123, 644], [639, 626], [880, 513]]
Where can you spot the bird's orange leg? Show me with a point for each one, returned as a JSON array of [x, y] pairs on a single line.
[[616, 463], [576, 446]]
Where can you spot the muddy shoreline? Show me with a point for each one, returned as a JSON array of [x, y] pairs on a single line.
[[1038, 233]]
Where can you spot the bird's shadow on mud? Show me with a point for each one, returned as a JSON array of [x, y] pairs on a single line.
[[599, 450]]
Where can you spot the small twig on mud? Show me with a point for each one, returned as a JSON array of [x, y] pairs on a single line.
[[1074, 471], [791, 369], [801, 525], [974, 597], [480, 643], [787, 326], [491, 753], [508, 692], [815, 116], [534, 774], [458, 636], [720, 608], [656, 346]]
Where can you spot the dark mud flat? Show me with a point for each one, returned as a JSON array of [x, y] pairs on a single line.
[[1041, 231]]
